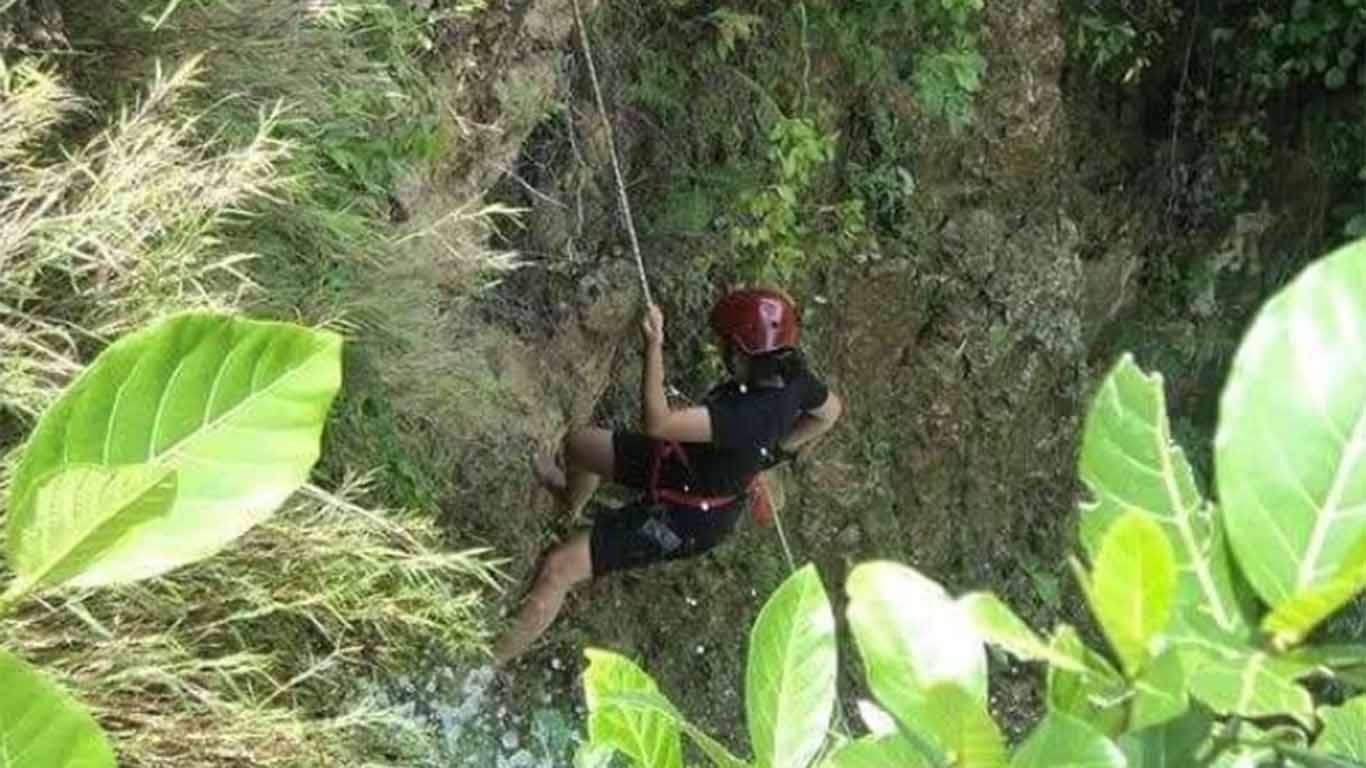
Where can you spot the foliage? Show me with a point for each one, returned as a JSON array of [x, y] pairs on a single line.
[[949, 72], [1262, 49], [130, 463], [790, 685], [732, 27], [945, 63], [41, 726], [946, 80], [1304, 41], [191, 432], [1198, 682], [775, 234], [1115, 38]]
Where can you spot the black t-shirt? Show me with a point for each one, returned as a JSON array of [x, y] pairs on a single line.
[[746, 427]]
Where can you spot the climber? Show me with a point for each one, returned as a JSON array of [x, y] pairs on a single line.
[[697, 466]]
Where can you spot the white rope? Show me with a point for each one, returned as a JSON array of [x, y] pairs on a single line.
[[616, 164], [782, 537]]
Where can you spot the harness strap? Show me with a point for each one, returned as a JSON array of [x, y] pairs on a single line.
[[663, 450]]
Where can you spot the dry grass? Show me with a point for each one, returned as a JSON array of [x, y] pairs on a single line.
[[115, 232]]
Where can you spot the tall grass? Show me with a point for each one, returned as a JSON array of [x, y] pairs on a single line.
[[101, 238], [245, 658], [255, 175]]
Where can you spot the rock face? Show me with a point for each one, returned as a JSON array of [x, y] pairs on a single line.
[[969, 370]]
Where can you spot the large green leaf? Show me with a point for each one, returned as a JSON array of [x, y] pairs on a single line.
[[653, 702], [648, 737], [1174, 744], [911, 636], [1303, 758], [1132, 586], [234, 407], [42, 727], [1065, 742], [790, 676], [1251, 685], [1161, 693], [960, 724], [1291, 443], [1290, 621], [1346, 662], [1344, 730], [876, 752], [999, 625], [82, 512], [1129, 461], [1097, 697]]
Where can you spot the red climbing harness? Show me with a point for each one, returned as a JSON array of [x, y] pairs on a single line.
[[663, 450]]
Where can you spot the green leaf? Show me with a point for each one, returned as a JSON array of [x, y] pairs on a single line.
[[790, 675], [80, 514], [1000, 626], [1292, 431], [1131, 587], [1174, 743], [1129, 461], [648, 737], [876, 752], [234, 407], [1097, 697], [911, 636], [1303, 758], [1330, 655], [1065, 742], [1344, 730], [654, 703], [961, 725], [1252, 685], [1290, 621], [1344, 662], [42, 727], [1161, 694]]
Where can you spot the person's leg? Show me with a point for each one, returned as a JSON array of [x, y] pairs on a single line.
[[588, 458], [565, 566]]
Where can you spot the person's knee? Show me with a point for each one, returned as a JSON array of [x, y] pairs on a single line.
[[588, 449], [565, 567], [577, 445]]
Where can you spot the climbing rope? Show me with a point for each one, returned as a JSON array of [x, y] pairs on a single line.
[[616, 164]]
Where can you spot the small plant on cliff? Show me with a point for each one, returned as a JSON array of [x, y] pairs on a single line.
[[775, 237], [1205, 606], [949, 73]]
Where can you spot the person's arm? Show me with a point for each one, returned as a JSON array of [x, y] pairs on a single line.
[[688, 425], [813, 424]]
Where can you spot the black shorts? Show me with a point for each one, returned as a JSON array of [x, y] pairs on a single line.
[[640, 533]]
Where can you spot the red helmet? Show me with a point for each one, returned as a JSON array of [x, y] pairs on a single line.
[[756, 320]]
